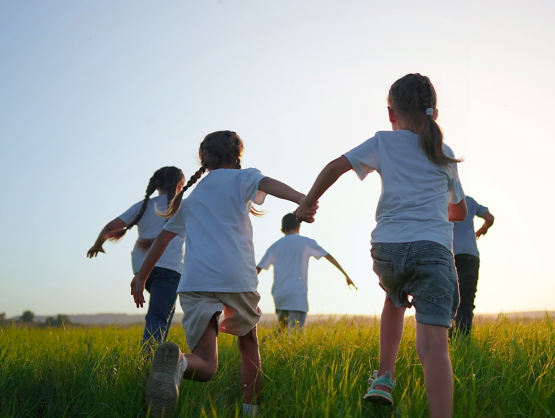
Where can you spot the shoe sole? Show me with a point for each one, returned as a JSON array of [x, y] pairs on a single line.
[[378, 399], [162, 393]]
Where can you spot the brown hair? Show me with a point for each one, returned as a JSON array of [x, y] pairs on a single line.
[[409, 97], [217, 150], [165, 179]]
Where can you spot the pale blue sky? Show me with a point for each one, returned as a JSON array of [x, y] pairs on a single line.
[[95, 96]]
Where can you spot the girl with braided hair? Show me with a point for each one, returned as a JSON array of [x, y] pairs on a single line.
[[219, 271], [412, 243], [164, 278]]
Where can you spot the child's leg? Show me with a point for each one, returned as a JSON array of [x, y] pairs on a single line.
[[250, 366], [433, 350], [162, 285], [391, 331], [202, 363]]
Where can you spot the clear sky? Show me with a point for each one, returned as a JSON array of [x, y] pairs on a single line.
[[95, 96]]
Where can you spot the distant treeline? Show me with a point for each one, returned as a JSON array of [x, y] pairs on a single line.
[[28, 319]]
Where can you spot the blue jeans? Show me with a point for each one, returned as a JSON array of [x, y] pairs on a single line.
[[424, 270], [162, 285]]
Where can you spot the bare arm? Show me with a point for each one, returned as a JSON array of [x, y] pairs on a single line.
[[488, 222], [458, 211], [325, 179], [258, 269], [109, 231], [332, 260], [156, 250], [280, 190]]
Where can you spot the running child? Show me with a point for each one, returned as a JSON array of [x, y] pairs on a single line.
[[219, 271], [163, 280], [290, 256], [412, 241]]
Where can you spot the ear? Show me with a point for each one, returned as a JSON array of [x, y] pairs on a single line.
[[434, 116], [392, 117]]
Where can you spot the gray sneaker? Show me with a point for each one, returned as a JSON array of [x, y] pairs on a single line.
[[162, 391]]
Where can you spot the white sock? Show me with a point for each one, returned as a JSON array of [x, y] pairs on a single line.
[[184, 364], [250, 410]]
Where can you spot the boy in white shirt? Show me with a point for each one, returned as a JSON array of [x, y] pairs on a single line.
[[290, 255]]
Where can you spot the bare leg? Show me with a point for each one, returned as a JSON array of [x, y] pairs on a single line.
[[202, 363], [391, 331], [433, 351], [250, 366]]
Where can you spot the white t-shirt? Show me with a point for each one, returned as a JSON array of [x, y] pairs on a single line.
[[149, 227], [415, 192], [215, 221], [290, 257]]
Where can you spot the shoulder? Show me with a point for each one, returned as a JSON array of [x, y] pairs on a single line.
[[448, 151]]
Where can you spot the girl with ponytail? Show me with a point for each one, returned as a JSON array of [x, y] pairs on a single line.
[[162, 282], [219, 271], [412, 241]]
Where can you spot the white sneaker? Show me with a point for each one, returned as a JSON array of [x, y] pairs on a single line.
[[162, 391]]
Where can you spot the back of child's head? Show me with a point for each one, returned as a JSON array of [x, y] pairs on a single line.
[[166, 180], [413, 100], [289, 223], [218, 149]]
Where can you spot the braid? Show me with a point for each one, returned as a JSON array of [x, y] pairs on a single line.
[[173, 207], [152, 184]]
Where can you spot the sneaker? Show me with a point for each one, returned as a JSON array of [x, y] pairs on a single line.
[[162, 391]]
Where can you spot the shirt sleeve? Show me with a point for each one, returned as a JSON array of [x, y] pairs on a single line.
[[480, 210], [176, 223], [131, 213], [364, 159], [456, 192], [249, 186], [317, 251], [268, 259]]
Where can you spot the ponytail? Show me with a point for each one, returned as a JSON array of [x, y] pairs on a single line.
[[431, 142], [414, 99], [173, 207]]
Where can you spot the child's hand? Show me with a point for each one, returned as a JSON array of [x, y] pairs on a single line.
[[95, 249], [305, 213], [137, 290], [350, 282]]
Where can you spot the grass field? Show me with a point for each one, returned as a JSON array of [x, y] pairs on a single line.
[[507, 370]]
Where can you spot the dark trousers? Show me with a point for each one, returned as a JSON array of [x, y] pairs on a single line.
[[467, 270]]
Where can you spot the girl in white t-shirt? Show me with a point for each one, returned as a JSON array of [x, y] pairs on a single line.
[[219, 271], [412, 241], [163, 280]]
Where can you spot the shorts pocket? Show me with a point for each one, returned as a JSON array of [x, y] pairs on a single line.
[[435, 279], [384, 270]]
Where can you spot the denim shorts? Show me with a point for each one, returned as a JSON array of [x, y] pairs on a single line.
[[424, 270]]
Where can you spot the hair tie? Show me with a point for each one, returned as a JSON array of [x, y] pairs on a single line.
[[429, 111]]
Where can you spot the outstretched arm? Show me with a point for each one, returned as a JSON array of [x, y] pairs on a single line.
[[154, 253], [488, 222], [283, 191], [109, 231], [332, 260], [325, 179]]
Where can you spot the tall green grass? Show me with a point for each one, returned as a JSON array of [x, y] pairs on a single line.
[[506, 370]]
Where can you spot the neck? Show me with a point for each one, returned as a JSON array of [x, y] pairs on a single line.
[[296, 231]]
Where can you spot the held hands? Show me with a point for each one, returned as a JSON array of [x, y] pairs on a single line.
[[350, 282], [95, 249], [305, 213], [137, 290]]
